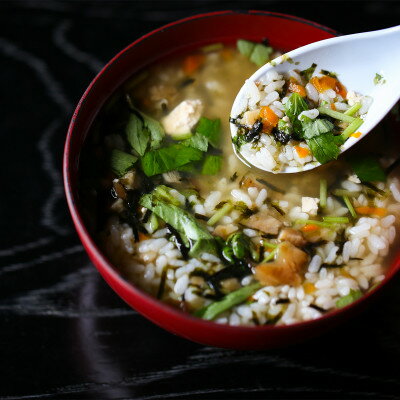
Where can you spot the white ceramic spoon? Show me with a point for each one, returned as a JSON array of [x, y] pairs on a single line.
[[356, 59]]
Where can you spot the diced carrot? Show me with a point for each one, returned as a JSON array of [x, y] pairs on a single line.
[[297, 88], [143, 236], [356, 134], [365, 210], [302, 152], [327, 82], [309, 228], [192, 63], [309, 287], [226, 54], [333, 107], [269, 119]]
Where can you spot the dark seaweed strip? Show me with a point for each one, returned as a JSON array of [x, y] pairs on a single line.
[[201, 216], [178, 241], [315, 307], [309, 248], [373, 187], [161, 288], [270, 185], [282, 301], [268, 236], [325, 265], [233, 177], [200, 272], [355, 259], [255, 318], [220, 205], [392, 166], [186, 82], [277, 208], [146, 216], [132, 221]]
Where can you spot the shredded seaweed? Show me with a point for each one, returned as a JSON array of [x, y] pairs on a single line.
[[315, 307], [178, 241], [161, 287], [186, 82], [201, 216], [270, 186], [282, 301], [371, 186], [277, 208], [233, 177], [392, 166]]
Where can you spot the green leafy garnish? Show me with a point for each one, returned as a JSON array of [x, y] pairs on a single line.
[[190, 229], [367, 168], [352, 128], [379, 80], [307, 73], [293, 108], [197, 141], [155, 128], [137, 136], [260, 54], [211, 129], [230, 300], [329, 73], [324, 148], [350, 298], [121, 162], [168, 159], [212, 165], [245, 47], [317, 127]]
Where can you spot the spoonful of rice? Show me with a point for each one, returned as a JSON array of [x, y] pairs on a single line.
[[308, 106]]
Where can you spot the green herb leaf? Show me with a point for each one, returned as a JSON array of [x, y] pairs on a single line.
[[211, 129], [121, 162], [260, 54], [324, 147], [379, 79], [245, 47], [197, 141], [137, 136], [367, 168], [212, 165], [155, 129], [230, 300], [168, 159], [329, 73], [293, 108], [317, 127], [350, 298], [307, 73]]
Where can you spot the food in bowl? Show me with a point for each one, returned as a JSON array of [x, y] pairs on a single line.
[[296, 119], [182, 218]]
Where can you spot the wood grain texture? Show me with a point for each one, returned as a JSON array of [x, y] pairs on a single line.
[[63, 333]]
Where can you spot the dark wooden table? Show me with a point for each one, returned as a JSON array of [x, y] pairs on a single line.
[[63, 332]]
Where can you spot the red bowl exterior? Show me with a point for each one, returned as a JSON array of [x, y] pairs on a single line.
[[283, 31]]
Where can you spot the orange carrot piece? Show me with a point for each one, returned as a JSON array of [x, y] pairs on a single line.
[[302, 152], [192, 63], [356, 134], [333, 107], [297, 88], [143, 236], [365, 210], [309, 287], [341, 89], [269, 119], [327, 82], [309, 228]]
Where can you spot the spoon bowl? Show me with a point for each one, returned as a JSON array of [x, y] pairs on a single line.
[[356, 59]]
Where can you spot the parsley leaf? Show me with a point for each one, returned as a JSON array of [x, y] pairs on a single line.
[[245, 47], [197, 141], [212, 165], [211, 129], [121, 162], [350, 298], [293, 108], [307, 73], [137, 136], [154, 128], [168, 159], [260, 54], [367, 168], [317, 127]]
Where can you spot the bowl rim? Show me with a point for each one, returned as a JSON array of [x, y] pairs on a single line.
[[105, 266]]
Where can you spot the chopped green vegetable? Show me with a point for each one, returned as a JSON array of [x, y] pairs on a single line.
[[323, 190], [270, 245], [137, 136], [181, 136], [378, 80], [212, 165], [317, 127], [155, 128], [313, 222], [344, 192], [168, 159], [260, 54], [349, 205], [162, 192], [350, 298], [271, 255], [324, 147], [307, 73], [225, 209], [197, 141], [153, 223], [353, 109], [211, 129], [245, 47], [367, 168], [186, 224], [293, 108], [328, 73], [240, 244], [352, 128], [230, 300], [121, 162], [212, 47], [335, 114], [336, 220]]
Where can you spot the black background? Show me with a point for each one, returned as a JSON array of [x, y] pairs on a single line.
[[63, 332]]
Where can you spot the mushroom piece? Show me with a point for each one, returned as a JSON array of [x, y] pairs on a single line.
[[287, 269], [293, 236], [264, 222]]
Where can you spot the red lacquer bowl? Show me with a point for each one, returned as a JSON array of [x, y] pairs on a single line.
[[284, 32]]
